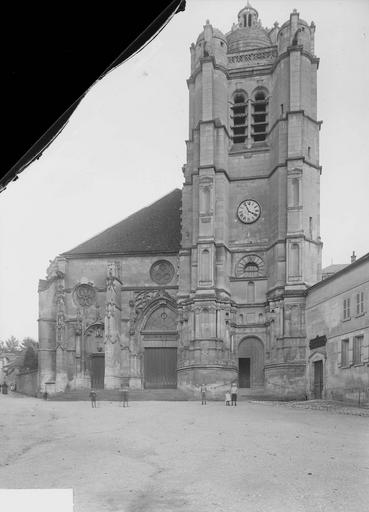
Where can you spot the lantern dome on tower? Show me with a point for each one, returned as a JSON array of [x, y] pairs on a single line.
[[216, 33], [248, 32]]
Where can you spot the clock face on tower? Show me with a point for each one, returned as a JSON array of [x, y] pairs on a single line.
[[249, 211]]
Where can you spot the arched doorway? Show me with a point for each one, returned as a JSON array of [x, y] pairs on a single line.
[[316, 375], [159, 338], [250, 363], [94, 356]]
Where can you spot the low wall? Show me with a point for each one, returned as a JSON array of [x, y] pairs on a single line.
[[27, 383]]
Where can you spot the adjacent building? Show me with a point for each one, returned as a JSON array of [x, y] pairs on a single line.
[[337, 329]]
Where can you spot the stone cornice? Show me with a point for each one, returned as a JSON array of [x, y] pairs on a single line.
[[291, 112], [217, 124], [313, 59], [198, 70], [256, 177], [100, 255], [145, 288]]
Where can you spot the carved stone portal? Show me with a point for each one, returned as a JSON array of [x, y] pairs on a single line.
[[162, 319]]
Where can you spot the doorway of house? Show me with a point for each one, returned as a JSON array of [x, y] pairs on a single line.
[[318, 379], [244, 375]]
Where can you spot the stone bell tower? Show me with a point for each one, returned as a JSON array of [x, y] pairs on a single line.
[[250, 207]]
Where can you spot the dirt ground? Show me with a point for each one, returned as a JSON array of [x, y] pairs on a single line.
[[181, 456]]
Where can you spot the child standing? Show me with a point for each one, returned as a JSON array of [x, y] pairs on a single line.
[[203, 394], [125, 396], [234, 390], [228, 398], [93, 398]]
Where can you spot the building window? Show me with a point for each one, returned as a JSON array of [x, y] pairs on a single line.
[[205, 199], [205, 266], [239, 118], [205, 324], [295, 261], [346, 309], [295, 192], [360, 303], [358, 341], [251, 292], [345, 353], [259, 117]]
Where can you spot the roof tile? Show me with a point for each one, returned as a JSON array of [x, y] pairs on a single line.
[[155, 228]]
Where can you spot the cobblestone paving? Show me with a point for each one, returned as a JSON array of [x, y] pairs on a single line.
[[322, 405], [185, 457]]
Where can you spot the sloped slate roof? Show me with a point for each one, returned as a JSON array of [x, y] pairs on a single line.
[[154, 229], [335, 267]]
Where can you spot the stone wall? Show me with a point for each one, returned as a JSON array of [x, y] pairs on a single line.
[[27, 383]]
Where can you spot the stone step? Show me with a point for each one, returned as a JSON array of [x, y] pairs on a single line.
[[114, 395]]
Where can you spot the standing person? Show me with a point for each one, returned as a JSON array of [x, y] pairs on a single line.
[[203, 394], [228, 398], [93, 398], [234, 391], [125, 396]]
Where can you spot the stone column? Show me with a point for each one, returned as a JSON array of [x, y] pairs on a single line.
[[112, 328]]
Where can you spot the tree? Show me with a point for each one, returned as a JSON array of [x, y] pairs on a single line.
[[29, 342], [12, 344], [30, 361]]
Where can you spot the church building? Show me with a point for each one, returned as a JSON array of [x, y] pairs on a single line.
[[208, 284]]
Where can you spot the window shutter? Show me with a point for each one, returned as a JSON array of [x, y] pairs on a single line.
[[339, 354], [365, 349], [350, 352]]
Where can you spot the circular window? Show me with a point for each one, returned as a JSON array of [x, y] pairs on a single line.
[[84, 295], [162, 272]]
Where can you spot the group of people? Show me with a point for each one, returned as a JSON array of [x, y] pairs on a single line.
[[230, 395], [123, 396]]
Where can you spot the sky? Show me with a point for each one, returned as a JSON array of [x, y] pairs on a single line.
[[124, 147]]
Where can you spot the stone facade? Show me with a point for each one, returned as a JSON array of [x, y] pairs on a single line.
[[245, 278], [337, 328], [229, 298]]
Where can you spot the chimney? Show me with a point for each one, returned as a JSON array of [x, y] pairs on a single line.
[[353, 257]]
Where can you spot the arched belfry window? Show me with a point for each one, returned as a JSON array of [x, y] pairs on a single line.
[[259, 117], [251, 269], [239, 118]]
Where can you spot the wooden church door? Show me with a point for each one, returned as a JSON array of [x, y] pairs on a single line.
[[97, 371]]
